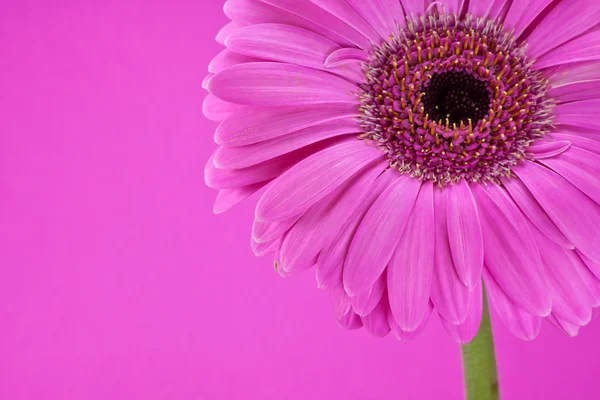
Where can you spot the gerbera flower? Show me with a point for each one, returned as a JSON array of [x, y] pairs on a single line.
[[412, 149]]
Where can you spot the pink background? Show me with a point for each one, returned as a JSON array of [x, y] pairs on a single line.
[[118, 282]]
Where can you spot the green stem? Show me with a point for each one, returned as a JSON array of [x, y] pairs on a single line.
[[479, 362]]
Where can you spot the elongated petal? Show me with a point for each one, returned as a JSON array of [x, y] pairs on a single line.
[[522, 13], [413, 7], [283, 43], [228, 198], [365, 302], [251, 12], [264, 248], [570, 299], [332, 257], [546, 149], [340, 301], [345, 12], [227, 179], [350, 320], [534, 211], [464, 233], [245, 156], [267, 231], [250, 125], [565, 327], [314, 230], [569, 74], [577, 140], [579, 113], [376, 321], [448, 293], [466, 331], [378, 234], [226, 31], [320, 174], [323, 19], [583, 48], [406, 336], [377, 14], [575, 214], [520, 323], [590, 281], [581, 168], [216, 109], [562, 24], [277, 84], [511, 255], [411, 267], [339, 56], [227, 58]]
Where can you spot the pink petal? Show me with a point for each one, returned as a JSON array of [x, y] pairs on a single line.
[[276, 84], [245, 156], [226, 179], [575, 214], [376, 321], [570, 74], [365, 302], [534, 211], [266, 231], [562, 24], [413, 7], [313, 178], [579, 113], [216, 109], [350, 320], [590, 281], [332, 257], [570, 300], [323, 19], [378, 235], [340, 301], [546, 149], [283, 43], [592, 265], [453, 6], [522, 13], [377, 14], [226, 31], [345, 12], [340, 56], [227, 58], [410, 269], [464, 233], [227, 198], [316, 227], [577, 140], [405, 336], [520, 323], [449, 294], [565, 327], [480, 8], [576, 92], [511, 255], [466, 331], [581, 168], [264, 248], [583, 48], [251, 12], [251, 125]]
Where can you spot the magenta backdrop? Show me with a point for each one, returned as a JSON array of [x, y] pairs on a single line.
[[118, 282]]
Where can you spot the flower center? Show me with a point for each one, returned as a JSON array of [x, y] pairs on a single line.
[[449, 99], [458, 96]]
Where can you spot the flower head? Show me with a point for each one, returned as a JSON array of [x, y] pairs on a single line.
[[413, 151]]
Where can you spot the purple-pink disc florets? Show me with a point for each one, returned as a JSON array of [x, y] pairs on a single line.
[[450, 98]]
